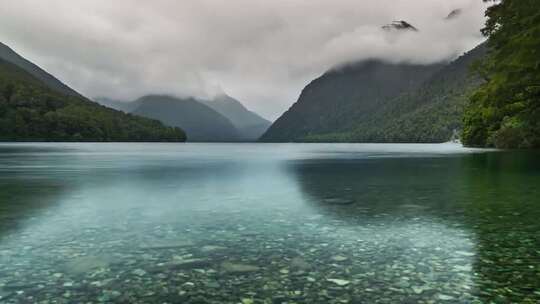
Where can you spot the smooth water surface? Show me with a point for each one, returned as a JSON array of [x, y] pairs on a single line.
[[268, 223]]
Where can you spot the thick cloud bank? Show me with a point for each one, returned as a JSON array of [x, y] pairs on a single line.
[[262, 52]]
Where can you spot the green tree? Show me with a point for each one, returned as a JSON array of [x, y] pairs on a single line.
[[31, 111], [505, 111]]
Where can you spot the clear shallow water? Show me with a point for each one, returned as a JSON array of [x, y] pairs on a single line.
[[268, 223]]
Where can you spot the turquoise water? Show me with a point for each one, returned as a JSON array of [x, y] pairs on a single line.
[[268, 223]]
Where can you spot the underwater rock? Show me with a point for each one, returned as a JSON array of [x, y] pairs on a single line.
[[86, 264], [300, 263], [139, 272], [444, 297], [420, 289], [339, 258], [339, 282]]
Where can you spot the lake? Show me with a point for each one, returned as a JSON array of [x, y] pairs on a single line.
[[268, 223]]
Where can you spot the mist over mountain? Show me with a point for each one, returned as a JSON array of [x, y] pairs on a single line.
[[340, 98], [35, 106], [431, 113], [265, 53], [120, 105], [249, 124], [374, 101]]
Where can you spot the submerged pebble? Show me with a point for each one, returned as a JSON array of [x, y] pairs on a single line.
[[339, 282]]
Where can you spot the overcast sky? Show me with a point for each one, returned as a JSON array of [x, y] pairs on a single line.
[[262, 52]]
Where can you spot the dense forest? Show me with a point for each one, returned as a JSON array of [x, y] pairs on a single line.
[[430, 113], [505, 111], [496, 104], [373, 101], [30, 110], [9, 55], [330, 107]]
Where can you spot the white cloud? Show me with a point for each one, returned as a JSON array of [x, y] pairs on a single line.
[[262, 52]]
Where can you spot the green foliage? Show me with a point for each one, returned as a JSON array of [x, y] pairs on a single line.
[[505, 111], [334, 106], [31, 111], [431, 111]]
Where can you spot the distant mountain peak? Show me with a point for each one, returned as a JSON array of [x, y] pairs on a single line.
[[224, 98], [399, 25], [250, 125], [454, 14], [200, 122]]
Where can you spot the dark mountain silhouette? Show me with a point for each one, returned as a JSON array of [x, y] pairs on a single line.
[[249, 124], [339, 99], [200, 122], [373, 101], [399, 25], [120, 105], [454, 14]]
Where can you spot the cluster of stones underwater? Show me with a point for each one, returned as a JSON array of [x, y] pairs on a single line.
[[239, 260]]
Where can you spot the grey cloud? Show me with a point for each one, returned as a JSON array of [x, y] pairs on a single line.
[[262, 52]]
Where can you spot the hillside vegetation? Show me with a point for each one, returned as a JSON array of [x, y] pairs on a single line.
[[331, 106], [505, 111], [30, 110], [9, 55], [430, 113]]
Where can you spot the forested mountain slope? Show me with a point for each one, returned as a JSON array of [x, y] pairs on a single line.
[[430, 113], [505, 111], [341, 98], [32, 111], [382, 102], [7, 54]]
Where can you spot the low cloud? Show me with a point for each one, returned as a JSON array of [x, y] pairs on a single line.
[[262, 52]]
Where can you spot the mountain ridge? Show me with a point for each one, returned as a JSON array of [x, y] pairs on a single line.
[[30, 110], [200, 122], [248, 124], [371, 115], [333, 101], [9, 55], [432, 113]]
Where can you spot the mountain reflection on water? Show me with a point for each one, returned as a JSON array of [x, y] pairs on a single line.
[[267, 223]]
